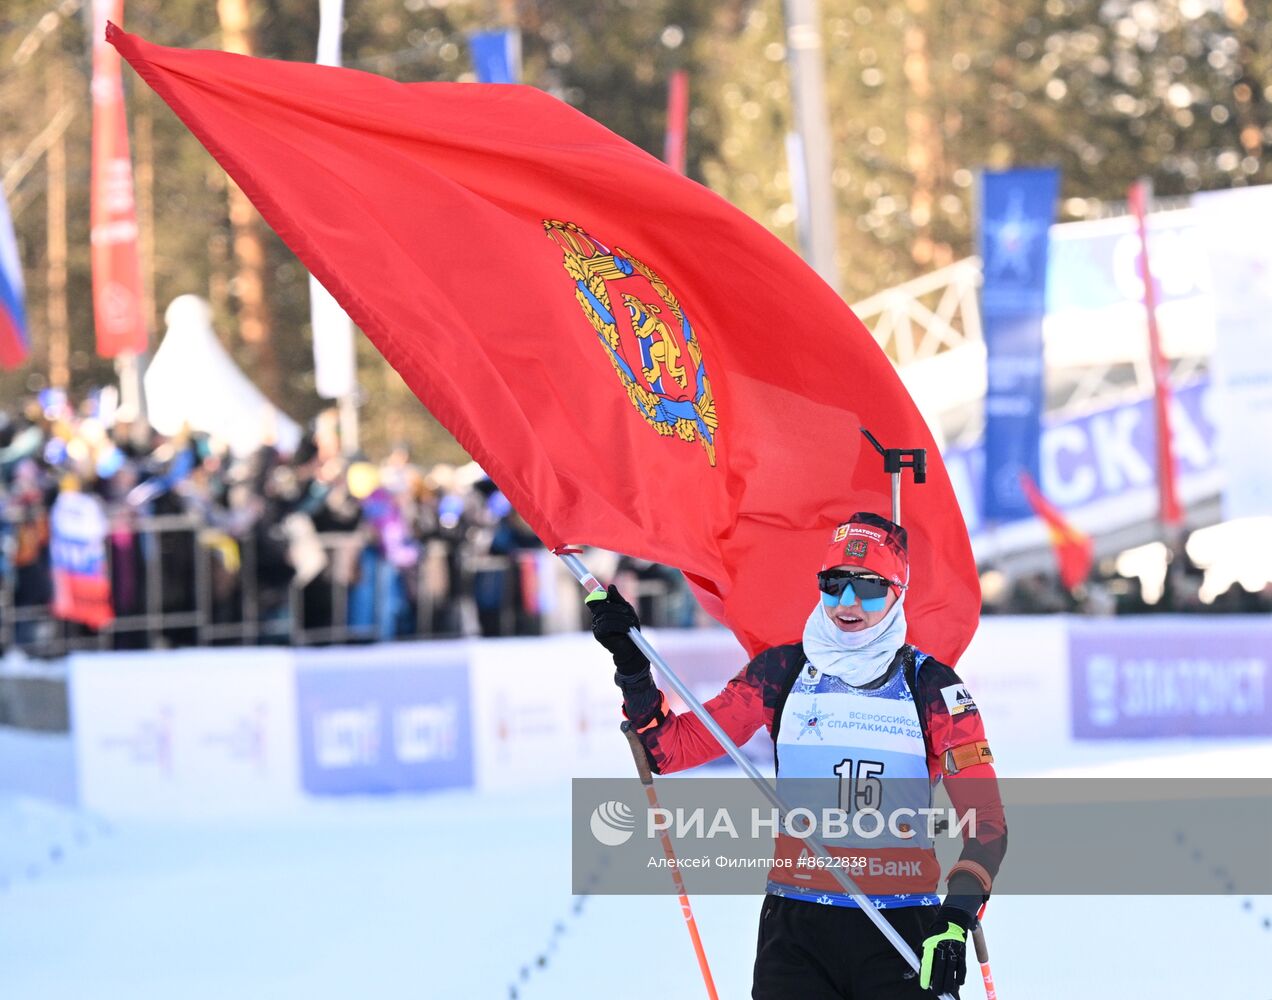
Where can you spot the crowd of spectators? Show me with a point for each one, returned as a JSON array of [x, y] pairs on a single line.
[[262, 545], [1108, 592], [206, 546]]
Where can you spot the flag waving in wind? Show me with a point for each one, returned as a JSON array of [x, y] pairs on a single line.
[[15, 344], [1075, 552], [636, 363]]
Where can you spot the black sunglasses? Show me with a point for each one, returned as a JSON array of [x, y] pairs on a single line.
[[867, 588]]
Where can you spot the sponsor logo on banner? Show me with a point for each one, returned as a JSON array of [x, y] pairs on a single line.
[[1171, 680], [146, 743], [375, 727]]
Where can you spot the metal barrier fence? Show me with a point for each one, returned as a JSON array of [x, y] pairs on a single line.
[[197, 586], [190, 584]]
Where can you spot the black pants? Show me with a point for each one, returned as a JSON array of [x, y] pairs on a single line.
[[808, 951]]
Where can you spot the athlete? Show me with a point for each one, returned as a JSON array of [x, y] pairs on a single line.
[[853, 704]]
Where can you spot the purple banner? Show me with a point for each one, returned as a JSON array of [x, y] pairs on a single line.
[[1163, 677], [388, 720]]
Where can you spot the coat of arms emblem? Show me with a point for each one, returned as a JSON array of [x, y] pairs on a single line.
[[646, 334]]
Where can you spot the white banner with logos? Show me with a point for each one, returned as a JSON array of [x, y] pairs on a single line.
[[545, 710], [1235, 225], [184, 732]]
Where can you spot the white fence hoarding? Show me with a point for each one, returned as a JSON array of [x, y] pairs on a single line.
[[230, 730], [184, 732]]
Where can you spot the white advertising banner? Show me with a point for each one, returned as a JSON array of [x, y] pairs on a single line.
[[189, 732], [545, 710], [1235, 226]]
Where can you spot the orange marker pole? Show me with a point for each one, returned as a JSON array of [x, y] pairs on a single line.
[[647, 779], [982, 956]]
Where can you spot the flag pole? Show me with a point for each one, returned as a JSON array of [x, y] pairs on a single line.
[[647, 779], [569, 556], [1170, 515]]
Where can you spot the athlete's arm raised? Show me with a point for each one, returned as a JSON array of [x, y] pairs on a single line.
[[674, 742]]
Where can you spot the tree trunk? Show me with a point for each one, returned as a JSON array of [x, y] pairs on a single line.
[[59, 331], [249, 246], [924, 147]]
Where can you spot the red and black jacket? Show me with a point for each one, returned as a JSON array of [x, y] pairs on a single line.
[[957, 750]]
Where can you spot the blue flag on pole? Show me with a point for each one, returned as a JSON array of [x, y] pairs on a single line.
[[496, 56], [1017, 208]]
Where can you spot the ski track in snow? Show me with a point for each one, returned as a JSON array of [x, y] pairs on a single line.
[[465, 895]]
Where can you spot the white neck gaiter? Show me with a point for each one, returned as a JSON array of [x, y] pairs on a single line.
[[856, 658]]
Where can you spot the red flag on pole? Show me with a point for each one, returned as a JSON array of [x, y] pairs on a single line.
[[677, 121], [1171, 513], [635, 362], [1075, 552], [117, 299]]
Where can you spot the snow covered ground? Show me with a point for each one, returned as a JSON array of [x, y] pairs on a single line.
[[418, 897]]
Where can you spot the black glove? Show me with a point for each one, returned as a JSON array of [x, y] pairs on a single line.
[[943, 961], [612, 619]]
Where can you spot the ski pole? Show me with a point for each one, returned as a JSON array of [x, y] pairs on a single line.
[[568, 555], [647, 779], [982, 954]]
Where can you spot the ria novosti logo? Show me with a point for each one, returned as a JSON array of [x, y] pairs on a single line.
[[613, 823]]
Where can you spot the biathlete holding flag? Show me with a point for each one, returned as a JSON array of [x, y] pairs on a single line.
[[852, 664]]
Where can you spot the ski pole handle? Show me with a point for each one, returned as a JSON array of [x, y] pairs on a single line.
[[982, 956], [638, 753]]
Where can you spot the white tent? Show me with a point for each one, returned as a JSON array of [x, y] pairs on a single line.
[[193, 383]]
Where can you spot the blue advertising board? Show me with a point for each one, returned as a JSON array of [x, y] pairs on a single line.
[[1017, 207], [384, 719], [1170, 677]]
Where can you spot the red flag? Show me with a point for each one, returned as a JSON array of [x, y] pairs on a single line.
[[1170, 511], [117, 300], [1074, 549], [636, 363]]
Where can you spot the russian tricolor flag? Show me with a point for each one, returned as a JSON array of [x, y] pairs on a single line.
[[15, 342]]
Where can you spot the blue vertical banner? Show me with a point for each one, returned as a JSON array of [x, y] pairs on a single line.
[[496, 56], [1017, 208]]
